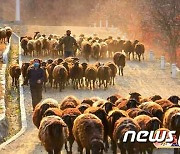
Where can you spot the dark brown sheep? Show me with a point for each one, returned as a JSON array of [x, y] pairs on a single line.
[[125, 105], [88, 131], [122, 126], [153, 108], [69, 115], [134, 112], [15, 72], [174, 99], [155, 98], [128, 48], [53, 134], [120, 60], [41, 108], [113, 68], [96, 49], [24, 69], [50, 69], [53, 111], [101, 114], [86, 49], [24, 42], [135, 95], [82, 107], [139, 49], [114, 98], [88, 101], [8, 33]]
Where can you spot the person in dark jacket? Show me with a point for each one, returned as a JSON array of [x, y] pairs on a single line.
[[69, 43], [35, 76]]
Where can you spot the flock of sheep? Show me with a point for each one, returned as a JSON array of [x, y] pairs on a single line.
[[95, 47], [94, 122], [59, 72]]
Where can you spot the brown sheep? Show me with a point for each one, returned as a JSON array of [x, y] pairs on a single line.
[[104, 75], [139, 49], [101, 114], [135, 95], [88, 131], [129, 48], [41, 108], [82, 107], [153, 108], [88, 101], [120, 60], [31, 47], [113, 98], [99, 103], [50, 69], [96, 49], [165, 104], [8, 33], [24, 42], [122, 126], [120, 101], [104, 49], [69, 102], [3, 35], [134, 112], [69, 115], [113, 68], [86, 49], [60, 76], [53, 111], [171, 120], [91, 75], [24, 69], [155, 98], [125, 105], [174, 99], [149, 124], [15, 72], [53, 134]]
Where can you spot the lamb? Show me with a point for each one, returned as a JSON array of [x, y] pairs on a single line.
[[53, 134], [69, 115], [60, 76], [153, 108], [69, 102], [91, 75], [171, 120], [120, 60], [122, 126], [174, 99], [88, 131], [41, 108], [101, 114], [113, 68], [104, 75], [15, 72]]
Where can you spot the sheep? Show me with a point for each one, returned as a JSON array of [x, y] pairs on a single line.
[[76, 74], [171, 120], [149, 124], [108, 106], [91, 75], [88, 132], [86, 49], [24, 69], [174, 99], [113, 68], [84, 67], [125, 105], [69, 102], [46, 74], [82, 107], [69, 115], [122, 126], [8, 33], [120, 60], [53, 111], [99, 103], [153, 108], [50, 69], [24, 42], [135, 95], [139, 49], [31, 47], [104, 75], [53, 134], [155, 97], [96, 49], [133, 112], [165, 104], [15, 72], [60, 76], [120, 100], [38, 46], [128, 48], [114, 98], [3, 35], [104, 49], [88, 101], [102, 115], [41, 108]]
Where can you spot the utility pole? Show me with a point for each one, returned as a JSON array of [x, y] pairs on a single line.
[[18, 11]]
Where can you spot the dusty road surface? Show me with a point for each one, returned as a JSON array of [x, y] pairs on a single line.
[[144, 77]]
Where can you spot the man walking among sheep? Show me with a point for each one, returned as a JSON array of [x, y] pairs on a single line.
[[35, 76], [69, 43]]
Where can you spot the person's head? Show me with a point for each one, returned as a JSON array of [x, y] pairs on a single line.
[[36, 63], [68, 32]]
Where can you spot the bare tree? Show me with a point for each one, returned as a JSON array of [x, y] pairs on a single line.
[[166, 14]]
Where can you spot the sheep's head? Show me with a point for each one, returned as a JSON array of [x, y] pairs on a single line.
[[83, 107], [108, 106], [155, 98], [153, 124], [132, 103], [97, 146], [112, 99], [69, 120], [101, 114], [135, 96], [174, 99]]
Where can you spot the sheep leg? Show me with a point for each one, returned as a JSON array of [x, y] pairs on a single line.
[[57, 151], [94, 84], [114, 147], [122, 71], [60, 86], [119, 71], [106, 144], [99, 83], [87, 151], [113, 81], [50, 152]]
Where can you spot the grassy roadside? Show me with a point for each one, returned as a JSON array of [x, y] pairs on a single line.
[[12, 96]]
